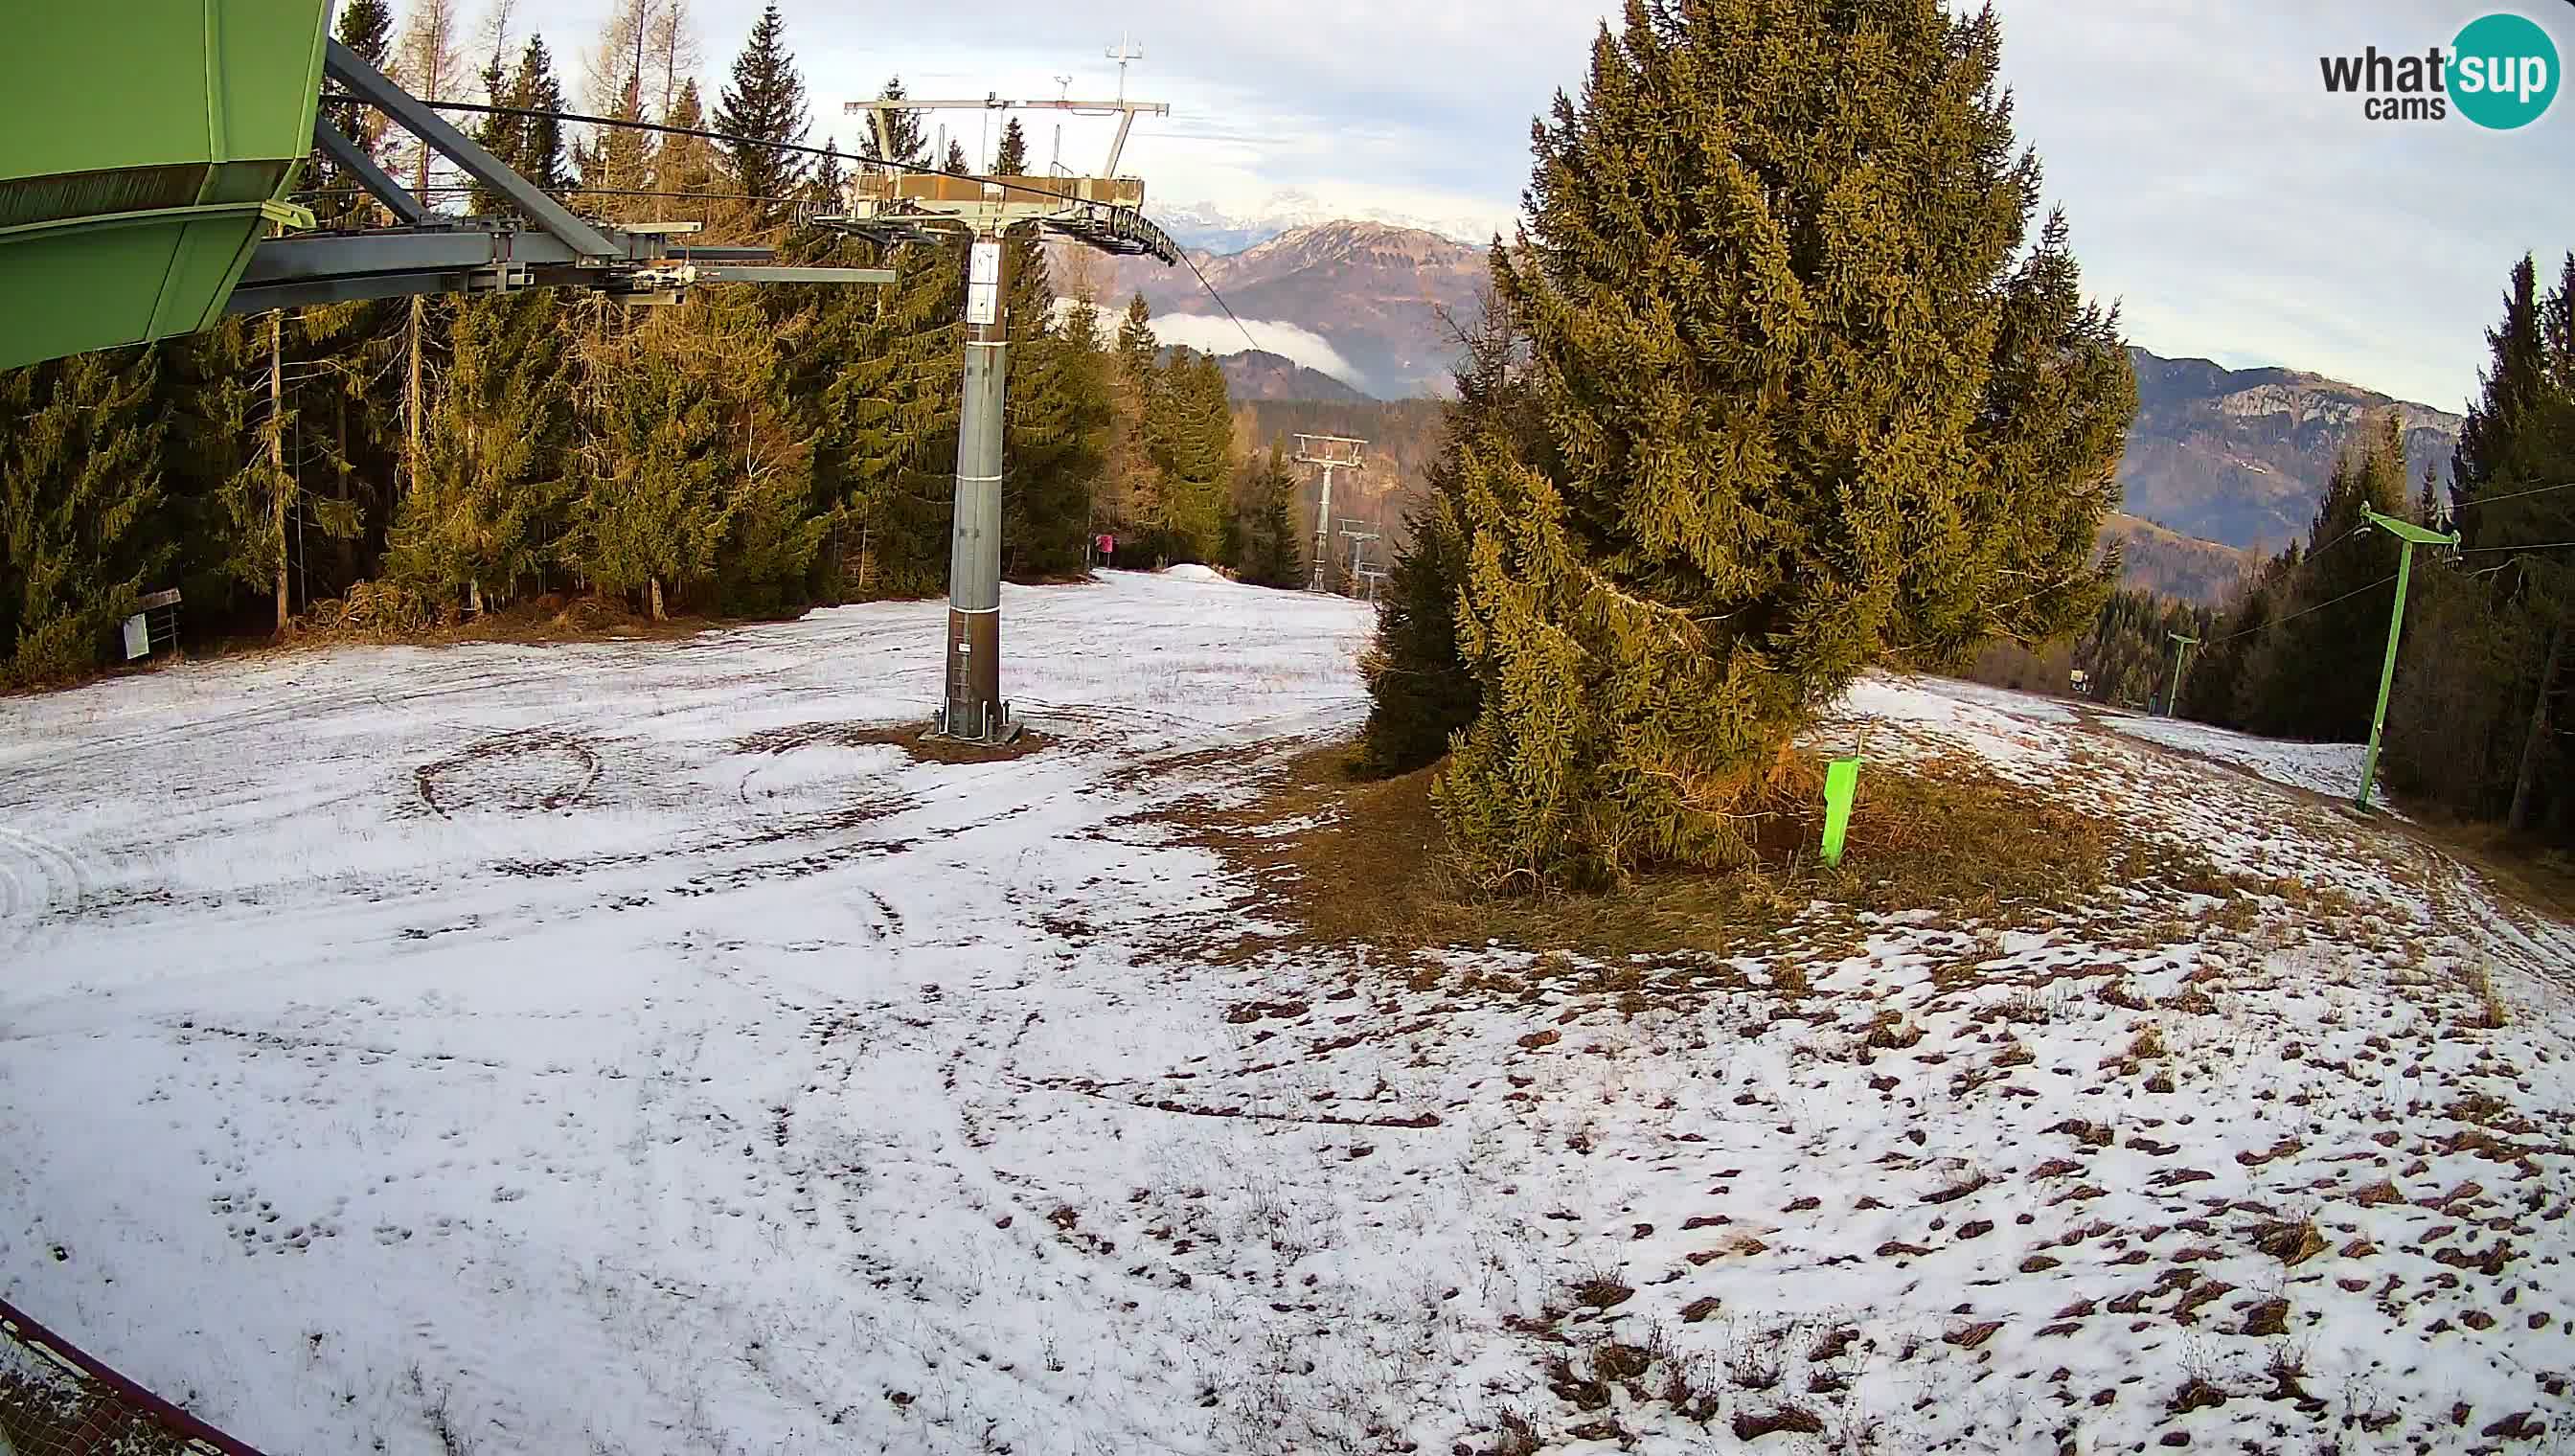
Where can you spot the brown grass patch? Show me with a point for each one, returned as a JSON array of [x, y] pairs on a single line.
[[1948, 835], [915, 740]]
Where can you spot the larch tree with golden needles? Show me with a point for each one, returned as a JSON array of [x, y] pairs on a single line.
[[1810, 397]]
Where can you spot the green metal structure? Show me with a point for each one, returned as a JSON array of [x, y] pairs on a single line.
[[2412, 535], [153, 141], [2181, 659], [1841, 788]]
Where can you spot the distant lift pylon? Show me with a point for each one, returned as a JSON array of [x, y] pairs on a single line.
[[1331, 452]]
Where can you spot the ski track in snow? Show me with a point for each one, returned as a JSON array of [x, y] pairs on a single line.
[[594, 1044]]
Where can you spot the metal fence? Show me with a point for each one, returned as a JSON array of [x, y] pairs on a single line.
[[57, 1401]]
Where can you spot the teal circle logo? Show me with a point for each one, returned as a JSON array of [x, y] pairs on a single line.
[[2503, 72]]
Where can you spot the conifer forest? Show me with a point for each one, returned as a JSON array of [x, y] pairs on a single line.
[[748, 452]]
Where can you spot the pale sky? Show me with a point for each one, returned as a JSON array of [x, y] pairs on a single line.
[[2234, 209]]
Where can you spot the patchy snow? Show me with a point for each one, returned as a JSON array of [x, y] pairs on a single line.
[[609, 1049], [2328, 769], [2019, 734], [1193, 572]]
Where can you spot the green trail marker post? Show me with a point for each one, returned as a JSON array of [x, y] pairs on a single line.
[[2411, 535], [2181, 654], [1842, 786]]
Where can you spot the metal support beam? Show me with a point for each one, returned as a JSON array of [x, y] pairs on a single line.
[[1118, 143], [744, 273], [372, 86], [338, 255], [378, 185], [975, 710]]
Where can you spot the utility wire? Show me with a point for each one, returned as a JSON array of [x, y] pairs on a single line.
[[537, 114], [1220, 298], [2475, 501], [2294, 615], [2337, 541], [573, 192], [2520, 545], [918, 168]]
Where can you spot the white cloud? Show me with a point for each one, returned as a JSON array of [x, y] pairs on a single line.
[[1217, 335]]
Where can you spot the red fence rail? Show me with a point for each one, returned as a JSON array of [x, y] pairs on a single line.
[[56, 1400]]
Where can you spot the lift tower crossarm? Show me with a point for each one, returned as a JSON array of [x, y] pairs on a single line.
[[876, 110]]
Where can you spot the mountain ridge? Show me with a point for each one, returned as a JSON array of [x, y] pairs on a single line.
[[2234, 457]]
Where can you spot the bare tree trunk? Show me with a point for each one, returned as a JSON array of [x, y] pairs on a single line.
[[277, 450], [2528, 779], [348, 551], [425, 59]]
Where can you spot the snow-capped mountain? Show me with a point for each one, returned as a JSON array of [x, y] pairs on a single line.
[[1221, 230]]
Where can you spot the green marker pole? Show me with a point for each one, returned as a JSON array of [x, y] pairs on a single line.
[[1842, 786], [2181, 654], [2412, 535]]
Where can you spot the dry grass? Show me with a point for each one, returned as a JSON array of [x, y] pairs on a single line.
[[72, 1413], [917, 739], [2492, 1013], [1367, 864]]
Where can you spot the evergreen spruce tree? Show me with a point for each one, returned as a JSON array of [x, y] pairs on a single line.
[[542, 157], [1261, 535], [1421, 690], [2488, 683], [956, 165], [688, 165], [223, 467], [1010, 159], [2216, 690], [764, 103], [366, 27], [211, 411], [82, 532], [2315, 674], [619, 159], [772, 531], [1054, 440], [2497, 424], [831, 175], [348, 442], [1811, 405], [874, 377], [485, 517], [1187, 432], [1123, 503], [498, 135], [1137, 349], [907, 144], [652, 510]]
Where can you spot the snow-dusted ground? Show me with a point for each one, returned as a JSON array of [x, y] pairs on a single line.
[[2329, 769], [606, 1049]]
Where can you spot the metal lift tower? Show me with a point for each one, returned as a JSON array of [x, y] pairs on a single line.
[[1103, 212], [1331, 452]]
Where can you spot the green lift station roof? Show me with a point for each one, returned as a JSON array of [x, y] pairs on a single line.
[[150, 138]]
